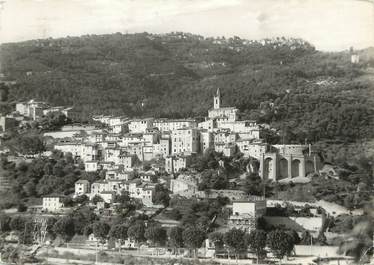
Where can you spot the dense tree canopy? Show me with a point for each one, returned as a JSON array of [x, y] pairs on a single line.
[[281, 243]]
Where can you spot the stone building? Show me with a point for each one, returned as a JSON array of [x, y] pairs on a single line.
[[206, 140], [222, 113], [184, 184], [174, 164], [82, 187], [53, 203], [32, 109], [140, 125], [174, 124], [185, 140], [209, 125], [288, 161], [251, 148], [91, 166], [127, 160], [228, 149], [245, 213], [85, 151]]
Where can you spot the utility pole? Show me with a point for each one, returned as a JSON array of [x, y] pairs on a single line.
[[96, 252]]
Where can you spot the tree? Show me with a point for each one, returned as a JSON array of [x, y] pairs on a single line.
[[4, 222], [53, 121], [176, 237], [96, 199], [359, 241], [321, 239], [348, 202], [21, 207], [17, 223], [31, 144], [68, 201], [295, 236], [234, 239], [122, 198], [156, 234], [161, 195], [4, 91], [87, 230], [256, 240], [211, 179], [136, 231], [280, 243], [193, 238], [119, 232], [306, 238], [51, 221], [27, 144], [217, 239], [26, 235], [30, 189], [81, 199], [253, 184], [175, 214], [82, 217], [101, 230], [64, 227]]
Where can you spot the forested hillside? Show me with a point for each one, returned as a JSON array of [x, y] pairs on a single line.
[[285, 82]]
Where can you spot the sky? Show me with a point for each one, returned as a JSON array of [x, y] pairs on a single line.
[[330, 25]]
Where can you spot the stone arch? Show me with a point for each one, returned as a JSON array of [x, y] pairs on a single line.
[[268, 168], [295, 168], [283, 168], [309, 167]]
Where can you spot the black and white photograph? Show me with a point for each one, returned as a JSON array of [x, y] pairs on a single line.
[[186, 132]]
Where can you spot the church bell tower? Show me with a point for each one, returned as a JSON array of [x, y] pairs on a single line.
[[217, 100]]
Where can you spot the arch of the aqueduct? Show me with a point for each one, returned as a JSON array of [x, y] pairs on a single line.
[[276, 167]]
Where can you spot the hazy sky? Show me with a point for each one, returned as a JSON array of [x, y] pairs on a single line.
[[328, 24]]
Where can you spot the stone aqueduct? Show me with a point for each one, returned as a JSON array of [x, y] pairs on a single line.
[[288, 161]]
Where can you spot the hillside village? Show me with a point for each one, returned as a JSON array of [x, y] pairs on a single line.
[[178, 187], [126, 144]]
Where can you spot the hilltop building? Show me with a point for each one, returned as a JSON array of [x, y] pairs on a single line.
[[222, 113], [32, 109]]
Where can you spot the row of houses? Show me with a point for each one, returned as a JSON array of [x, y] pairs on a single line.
[[32, 110], [36, 109], [115, 183], [176, 140], [127, 141]]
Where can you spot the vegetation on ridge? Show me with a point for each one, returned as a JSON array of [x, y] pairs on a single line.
[[284, 82]]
